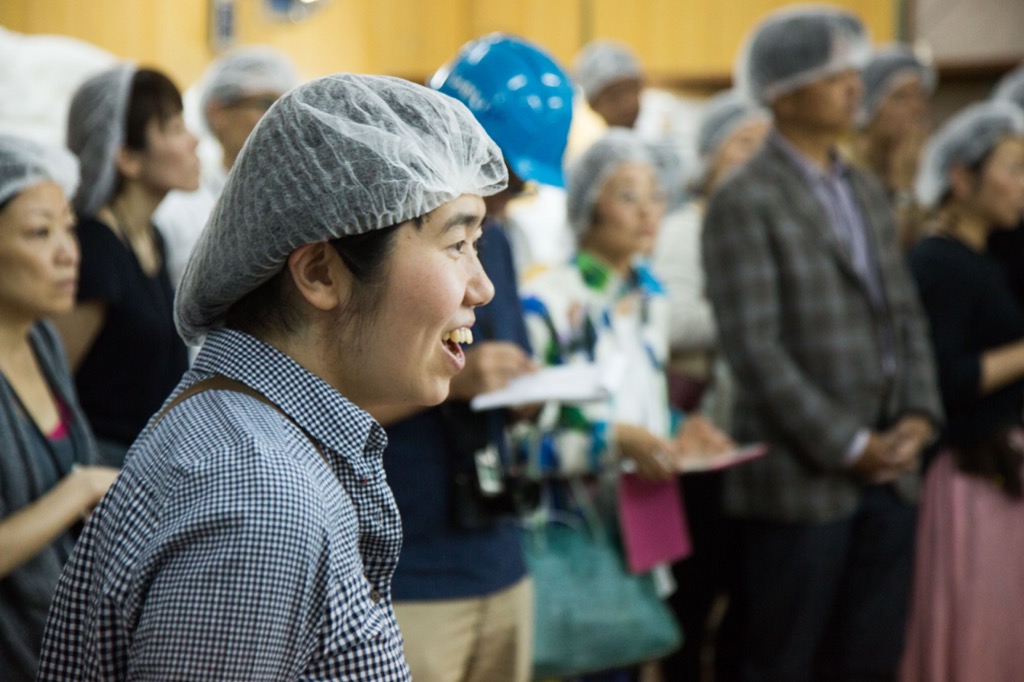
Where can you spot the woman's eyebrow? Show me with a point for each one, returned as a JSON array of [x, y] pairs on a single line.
[[461, 220]]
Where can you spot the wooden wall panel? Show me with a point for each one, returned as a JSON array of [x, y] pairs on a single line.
[[676, 39], [683, 39], [555, 24], [413, 39]]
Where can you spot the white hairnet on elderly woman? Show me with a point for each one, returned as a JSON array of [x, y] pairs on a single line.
[[252, 531]]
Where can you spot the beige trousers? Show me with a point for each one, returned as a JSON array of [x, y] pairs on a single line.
[[484, 639]]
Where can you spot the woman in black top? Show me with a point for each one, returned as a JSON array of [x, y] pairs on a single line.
[[127, 129], [969, 578], [46, 483]]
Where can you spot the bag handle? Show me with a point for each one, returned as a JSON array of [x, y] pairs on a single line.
[[218, 382]]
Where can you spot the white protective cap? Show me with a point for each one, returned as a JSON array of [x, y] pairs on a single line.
[[1010, 87], [96, 127], [602, 62], [887, 69], [341, 155], [26, 163], [964, 140], [797, 46], [722, 115], [245, 71], [591, 170]]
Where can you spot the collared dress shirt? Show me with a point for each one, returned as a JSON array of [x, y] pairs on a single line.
[[833, 190], [230, 549]]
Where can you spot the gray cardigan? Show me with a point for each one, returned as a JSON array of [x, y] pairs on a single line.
[[26, 473]]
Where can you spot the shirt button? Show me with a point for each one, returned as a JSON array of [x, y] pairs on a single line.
[[375, 596], [366, 481]]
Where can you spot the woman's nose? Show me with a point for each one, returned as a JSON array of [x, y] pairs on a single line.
[[480, 289]]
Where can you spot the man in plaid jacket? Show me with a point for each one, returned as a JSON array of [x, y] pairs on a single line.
[[821, 325]]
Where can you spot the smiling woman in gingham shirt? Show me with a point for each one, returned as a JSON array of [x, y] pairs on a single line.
[[251, 534]]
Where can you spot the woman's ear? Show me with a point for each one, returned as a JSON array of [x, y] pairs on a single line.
[[128, 163], [320, 276], [962, 182]]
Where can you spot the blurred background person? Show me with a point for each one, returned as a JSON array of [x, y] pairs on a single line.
[[607, 303], [611, 78], [730, 131], [235, 92], [47, 481], [41, 74], [463, 599], [126, 127], [969, 574], [1007, 246], [821, 325], [893, 123]]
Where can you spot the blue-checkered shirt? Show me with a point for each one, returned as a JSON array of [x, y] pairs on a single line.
[[228, 549]]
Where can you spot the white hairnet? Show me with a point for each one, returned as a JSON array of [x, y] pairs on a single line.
[[246, 71], [341, 155], [588, 174], [25, 163], [96, 128], [1010, 87], [797, 46], [722, 115], [886, 70], [602, 62], [964, 140]]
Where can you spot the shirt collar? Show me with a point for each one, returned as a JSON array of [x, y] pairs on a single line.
[[837, 167], [324, 413]]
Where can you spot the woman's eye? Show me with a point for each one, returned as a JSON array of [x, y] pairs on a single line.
[[460, 246], [39, 232]]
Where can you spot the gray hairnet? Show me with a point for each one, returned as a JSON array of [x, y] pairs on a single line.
[[246, 71], [341, 155], [96, 127], [1010, 87], [797, 46], [724, 113], [886, 70], [592, 169], [601, 63], [964, 140], [721, 116], [25, 163]]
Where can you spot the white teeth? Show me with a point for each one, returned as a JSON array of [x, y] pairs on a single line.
[[461, 335]]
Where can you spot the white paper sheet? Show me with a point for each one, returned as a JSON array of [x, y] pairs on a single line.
[[576, 383]]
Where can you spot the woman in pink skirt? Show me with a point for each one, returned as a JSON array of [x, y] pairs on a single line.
[[968, 594]]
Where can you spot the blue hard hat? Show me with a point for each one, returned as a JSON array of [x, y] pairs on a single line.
[[522, 98]]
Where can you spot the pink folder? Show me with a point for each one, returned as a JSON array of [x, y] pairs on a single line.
[[652, 521]]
